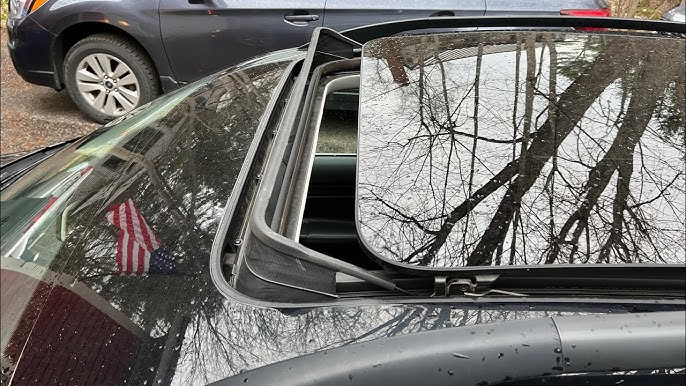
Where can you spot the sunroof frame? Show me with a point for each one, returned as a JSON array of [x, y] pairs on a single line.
[[288, 137]]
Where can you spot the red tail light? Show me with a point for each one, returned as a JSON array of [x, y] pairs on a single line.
[[602, 12]]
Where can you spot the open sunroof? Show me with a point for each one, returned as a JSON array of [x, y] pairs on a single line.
[[522, 149]]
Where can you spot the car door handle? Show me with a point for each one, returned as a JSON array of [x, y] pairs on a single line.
[[301, 18], [442, 13]]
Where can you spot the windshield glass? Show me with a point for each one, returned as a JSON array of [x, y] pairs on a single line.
[[522, 149], [128, 213], [41, 201], [34, 204]]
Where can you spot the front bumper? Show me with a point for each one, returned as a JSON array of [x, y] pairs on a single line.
[[30, 48]]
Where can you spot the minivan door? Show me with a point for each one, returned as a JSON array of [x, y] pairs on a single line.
[[203, 36], [344, 14]]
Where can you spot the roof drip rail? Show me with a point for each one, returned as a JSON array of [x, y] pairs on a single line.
[[375, 31]]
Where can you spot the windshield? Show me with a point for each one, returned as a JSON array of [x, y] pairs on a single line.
[[37, 206], [43, 199], [129, 212], [522, 149]]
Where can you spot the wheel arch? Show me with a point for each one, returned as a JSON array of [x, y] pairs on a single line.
[[72, 34]]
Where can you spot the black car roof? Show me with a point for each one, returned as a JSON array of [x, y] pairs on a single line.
[[73, 320]]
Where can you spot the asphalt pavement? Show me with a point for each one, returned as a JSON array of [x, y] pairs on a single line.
[[33, 116]]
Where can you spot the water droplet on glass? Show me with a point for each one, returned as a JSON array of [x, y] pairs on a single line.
[[461, 356], [558, 350]]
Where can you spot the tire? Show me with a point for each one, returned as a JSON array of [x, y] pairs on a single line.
[[107, 93]]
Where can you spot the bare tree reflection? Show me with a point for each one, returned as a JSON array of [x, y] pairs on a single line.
[[179, 169], [240, 338], [426, 207]]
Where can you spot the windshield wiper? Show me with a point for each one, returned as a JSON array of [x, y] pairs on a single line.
[[22, 165]]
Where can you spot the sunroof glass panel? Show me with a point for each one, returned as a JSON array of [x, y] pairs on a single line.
[[522, 149]]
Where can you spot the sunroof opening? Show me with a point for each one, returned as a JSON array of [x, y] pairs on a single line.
[[328, 217]]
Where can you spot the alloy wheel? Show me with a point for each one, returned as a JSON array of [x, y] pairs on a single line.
[[107, 84]]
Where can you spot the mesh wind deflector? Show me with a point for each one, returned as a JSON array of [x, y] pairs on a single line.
[[520, 149], [266, 274]]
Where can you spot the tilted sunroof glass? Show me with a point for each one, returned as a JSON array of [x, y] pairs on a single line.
[[522, 148]]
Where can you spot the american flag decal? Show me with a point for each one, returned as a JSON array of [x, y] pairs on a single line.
[[139, 251]]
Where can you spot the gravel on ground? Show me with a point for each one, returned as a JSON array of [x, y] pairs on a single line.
[[32, 116]]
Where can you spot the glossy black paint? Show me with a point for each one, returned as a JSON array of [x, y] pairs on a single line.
[[68, 318], [493, 353], [205, 131]]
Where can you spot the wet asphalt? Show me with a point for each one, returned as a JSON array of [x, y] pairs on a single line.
[[33, 116]]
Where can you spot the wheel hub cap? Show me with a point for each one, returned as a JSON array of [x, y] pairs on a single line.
[[107, 84]]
